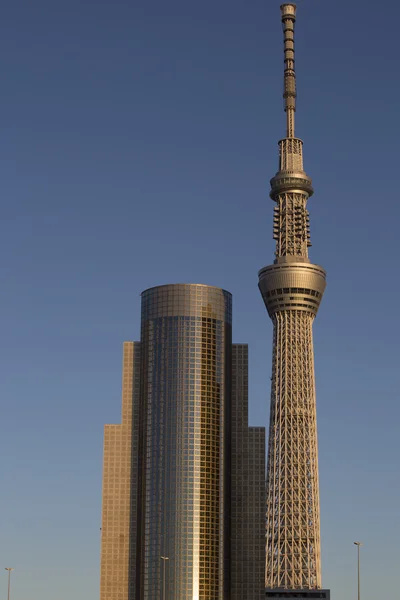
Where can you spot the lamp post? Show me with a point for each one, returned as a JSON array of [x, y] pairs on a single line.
[[164, 559], [9, 569], [358, 544]]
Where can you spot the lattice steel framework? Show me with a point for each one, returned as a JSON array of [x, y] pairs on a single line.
[[292, 290]]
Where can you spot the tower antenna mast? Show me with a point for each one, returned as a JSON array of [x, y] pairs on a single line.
[[289, 93]]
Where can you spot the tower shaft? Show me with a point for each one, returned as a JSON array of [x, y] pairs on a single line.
[[292, 289], [293, 531]]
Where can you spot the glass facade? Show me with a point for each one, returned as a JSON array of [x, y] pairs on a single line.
[[118, 528], [247, 490], [184, 445]]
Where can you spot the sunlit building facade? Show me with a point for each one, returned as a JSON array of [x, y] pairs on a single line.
[[119, 522], [186, 342], [184, 500]]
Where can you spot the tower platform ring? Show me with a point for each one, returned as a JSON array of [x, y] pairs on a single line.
[[292, 286], [287, 181]]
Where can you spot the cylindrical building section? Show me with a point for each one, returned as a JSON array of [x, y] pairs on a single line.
[[186, 343]]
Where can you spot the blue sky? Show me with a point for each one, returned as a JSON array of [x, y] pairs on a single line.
[[137, 141]]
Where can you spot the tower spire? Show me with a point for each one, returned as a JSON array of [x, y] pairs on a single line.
[[288, 12], [291, 187]]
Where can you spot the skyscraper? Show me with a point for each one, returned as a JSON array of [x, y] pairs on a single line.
[[247, 490], [186, 346], [183, 482], [292, 290], [118, 524]]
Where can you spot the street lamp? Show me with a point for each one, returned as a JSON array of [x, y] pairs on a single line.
[[358, 544], [9, 569], [164, 559]]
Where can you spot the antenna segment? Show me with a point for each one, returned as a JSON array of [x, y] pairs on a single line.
[[288, 12]]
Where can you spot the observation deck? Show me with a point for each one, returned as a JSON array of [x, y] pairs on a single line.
[[292, 286]]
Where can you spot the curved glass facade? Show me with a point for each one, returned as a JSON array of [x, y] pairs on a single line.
[[186, 345]]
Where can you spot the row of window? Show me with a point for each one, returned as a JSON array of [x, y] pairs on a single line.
[[280, 291]]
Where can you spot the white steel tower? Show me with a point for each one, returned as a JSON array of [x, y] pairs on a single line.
[[292, 290]]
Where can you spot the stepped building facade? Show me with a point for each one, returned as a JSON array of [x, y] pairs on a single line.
[[184, 476]]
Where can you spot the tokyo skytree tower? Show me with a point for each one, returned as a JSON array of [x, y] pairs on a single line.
[[292, 290]]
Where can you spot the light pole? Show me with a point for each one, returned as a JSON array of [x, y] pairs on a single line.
[[9, 569], [164, 559], [358, 544]]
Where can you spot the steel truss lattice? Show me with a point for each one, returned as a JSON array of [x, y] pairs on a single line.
[[293, 529]]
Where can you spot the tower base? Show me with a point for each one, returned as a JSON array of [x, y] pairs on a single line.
[[281, 594]]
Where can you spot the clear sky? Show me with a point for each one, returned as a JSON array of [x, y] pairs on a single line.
[[137, 140]]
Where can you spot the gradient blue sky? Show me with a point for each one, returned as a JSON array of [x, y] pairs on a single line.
[[137, 143]]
